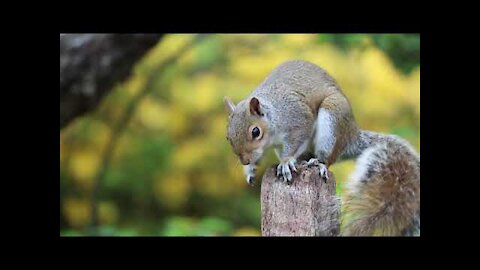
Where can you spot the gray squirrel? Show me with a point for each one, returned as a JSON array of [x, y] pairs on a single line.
[[300, 111]]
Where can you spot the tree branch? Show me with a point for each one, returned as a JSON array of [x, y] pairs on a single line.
[[90, 65]]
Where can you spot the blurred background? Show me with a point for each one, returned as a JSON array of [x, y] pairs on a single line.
[[149, 156]]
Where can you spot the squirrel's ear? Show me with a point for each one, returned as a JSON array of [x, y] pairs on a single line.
[[229, 106], [255, 107]]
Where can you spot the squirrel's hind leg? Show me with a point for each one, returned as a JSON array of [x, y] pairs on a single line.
[[323, 141], [333, 130]]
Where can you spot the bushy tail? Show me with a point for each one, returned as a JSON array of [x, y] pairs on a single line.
[[383, 196]]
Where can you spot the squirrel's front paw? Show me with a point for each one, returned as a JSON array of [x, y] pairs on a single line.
[[250, 179], [283, 169], [323, 171], [250, 174]]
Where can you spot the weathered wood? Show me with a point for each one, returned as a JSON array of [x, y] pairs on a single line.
[[307, 207]]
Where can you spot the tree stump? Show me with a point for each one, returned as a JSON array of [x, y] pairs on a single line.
[[307, 207]]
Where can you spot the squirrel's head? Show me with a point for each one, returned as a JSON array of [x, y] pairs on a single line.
[[247, 129]]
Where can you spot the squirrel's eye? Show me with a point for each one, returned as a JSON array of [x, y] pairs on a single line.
[[255, 132]]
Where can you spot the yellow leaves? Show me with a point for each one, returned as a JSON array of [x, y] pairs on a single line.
[[384, 85], [247, 231], [209, 184], [413, 90], [180, 91], [387, 91], [329, 58], [254, 68], [62, 151], [178, 122], [162, 117], [233, 173], [251, 68], [101, 134], [299, 40], [172, 190], [215, 183], [193, 152], [237, 52], [122, 146], [342, 171], [237, 39], [204, 92], [153, 115], [83, 166], [78, 212], [169, 45], [236, 90], [186, 59], [218, 126], [197, 95], [134, 84], [107, 213]]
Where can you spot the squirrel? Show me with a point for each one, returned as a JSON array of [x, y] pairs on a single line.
[[301, 111]]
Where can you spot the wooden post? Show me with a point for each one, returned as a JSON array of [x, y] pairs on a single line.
[[307, 207]]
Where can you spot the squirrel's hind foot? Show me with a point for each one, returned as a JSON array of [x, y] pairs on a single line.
[[323, 171]]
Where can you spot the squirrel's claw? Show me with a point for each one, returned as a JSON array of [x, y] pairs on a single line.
[[323, 171], [313, 162], [284, 170]]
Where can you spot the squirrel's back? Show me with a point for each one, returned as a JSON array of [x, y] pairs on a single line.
[[302, 81]]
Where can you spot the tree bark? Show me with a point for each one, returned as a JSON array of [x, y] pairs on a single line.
[[91, 64], [307, 207]]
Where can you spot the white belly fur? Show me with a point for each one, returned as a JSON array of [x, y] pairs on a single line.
[[324, 137]]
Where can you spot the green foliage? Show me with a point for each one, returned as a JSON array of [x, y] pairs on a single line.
[[344, 41], [403, 49], [208, 226], [102, 231]]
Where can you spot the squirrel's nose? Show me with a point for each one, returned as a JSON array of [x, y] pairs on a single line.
[[244, 160]]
